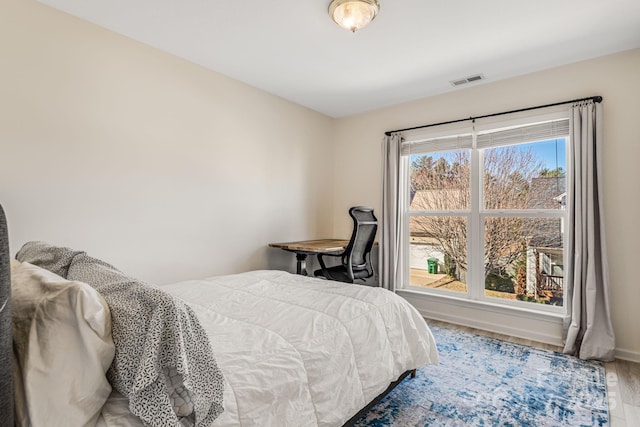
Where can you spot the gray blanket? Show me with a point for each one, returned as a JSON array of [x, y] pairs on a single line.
[[163, 363]]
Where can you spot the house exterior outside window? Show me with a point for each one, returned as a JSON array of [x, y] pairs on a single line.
[[485, 212]]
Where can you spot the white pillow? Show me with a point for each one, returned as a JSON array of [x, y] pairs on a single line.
[[62, 340]]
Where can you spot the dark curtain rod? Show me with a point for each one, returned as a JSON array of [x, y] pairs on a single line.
[[592, 98]]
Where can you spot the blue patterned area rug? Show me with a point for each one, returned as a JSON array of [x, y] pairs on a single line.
[[482, 381]]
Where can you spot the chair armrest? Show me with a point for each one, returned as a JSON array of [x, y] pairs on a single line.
[[321, 258], [323, 266], [330, 254]]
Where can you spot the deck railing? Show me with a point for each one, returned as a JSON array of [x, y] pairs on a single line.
[[555, 284]]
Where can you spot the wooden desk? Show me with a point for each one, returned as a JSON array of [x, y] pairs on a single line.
[[310, 247]]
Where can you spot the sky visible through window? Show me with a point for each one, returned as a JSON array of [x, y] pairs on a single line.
[[552, 152]]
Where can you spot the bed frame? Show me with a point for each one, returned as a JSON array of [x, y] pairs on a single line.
[[6, 344], [381, 396]]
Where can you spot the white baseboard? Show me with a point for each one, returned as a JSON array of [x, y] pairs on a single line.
[[525, 324], [538, 327], [547, 338], [630, 355]]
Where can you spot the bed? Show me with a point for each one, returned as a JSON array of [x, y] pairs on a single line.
[[262, 348]]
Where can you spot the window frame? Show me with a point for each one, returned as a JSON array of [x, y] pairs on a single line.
[[477, 213]]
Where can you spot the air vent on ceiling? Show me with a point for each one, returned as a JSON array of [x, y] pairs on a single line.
[[465, 80]]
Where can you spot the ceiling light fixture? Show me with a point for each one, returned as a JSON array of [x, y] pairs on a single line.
[[353, 14]]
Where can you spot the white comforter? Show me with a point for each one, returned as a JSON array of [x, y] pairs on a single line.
[[298, 351]]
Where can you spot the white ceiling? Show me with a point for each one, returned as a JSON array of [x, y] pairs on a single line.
[[291, 48]]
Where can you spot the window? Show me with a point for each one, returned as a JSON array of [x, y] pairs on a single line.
[[485, 212]]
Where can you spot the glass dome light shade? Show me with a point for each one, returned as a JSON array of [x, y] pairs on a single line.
[[353, 14]]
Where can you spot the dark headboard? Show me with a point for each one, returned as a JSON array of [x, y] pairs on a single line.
[[6, 342]]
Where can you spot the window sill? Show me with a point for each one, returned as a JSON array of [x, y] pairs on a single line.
[[519, 322]]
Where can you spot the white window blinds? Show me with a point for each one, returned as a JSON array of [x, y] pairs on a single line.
[[523, 134], [446, 143], [518, 131]]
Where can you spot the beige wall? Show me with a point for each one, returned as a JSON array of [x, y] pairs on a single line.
[[358, 158], [166, 169]]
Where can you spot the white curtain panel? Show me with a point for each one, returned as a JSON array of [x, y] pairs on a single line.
[[391, 220], [588, 329]]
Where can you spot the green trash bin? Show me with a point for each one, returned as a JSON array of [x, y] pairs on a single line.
[[432, 265]]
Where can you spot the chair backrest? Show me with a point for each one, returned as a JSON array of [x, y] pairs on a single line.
[[358, 251]]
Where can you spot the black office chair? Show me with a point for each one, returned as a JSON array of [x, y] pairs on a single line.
[[356, 258]]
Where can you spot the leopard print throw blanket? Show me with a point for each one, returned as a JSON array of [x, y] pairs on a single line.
[[164, 363]]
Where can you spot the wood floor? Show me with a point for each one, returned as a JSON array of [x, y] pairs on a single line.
[[623, 379]]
